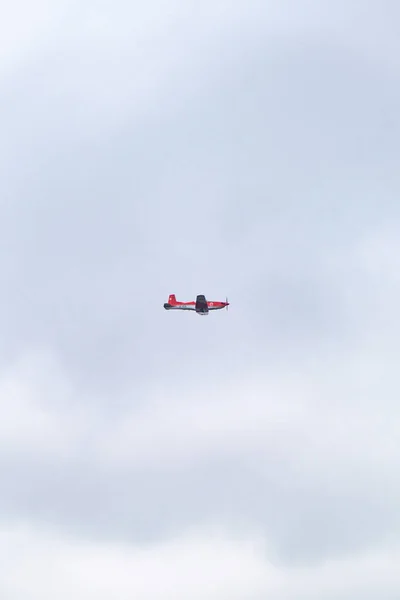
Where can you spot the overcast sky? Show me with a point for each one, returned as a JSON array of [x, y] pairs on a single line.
[[241, 148]]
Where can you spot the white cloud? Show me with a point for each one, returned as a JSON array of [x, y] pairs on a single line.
[[39, 565], [203, 563], [40, 410], [336, 413], [84, 69], [336, 410], [24, 27], [34, 415], [94, 68]]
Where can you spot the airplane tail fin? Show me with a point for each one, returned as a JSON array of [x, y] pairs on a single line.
[[172, 300]]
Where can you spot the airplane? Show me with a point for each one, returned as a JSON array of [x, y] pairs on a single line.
[[201, 306]]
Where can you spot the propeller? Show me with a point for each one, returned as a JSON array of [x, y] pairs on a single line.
[[227, 303]]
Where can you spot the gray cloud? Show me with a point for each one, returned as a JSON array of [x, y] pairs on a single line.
[[254, 154]]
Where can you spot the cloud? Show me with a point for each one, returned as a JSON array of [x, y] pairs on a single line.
[[28, 417], [154, 58], [24, 27], [202, 563], [305, 446], [247, 149]]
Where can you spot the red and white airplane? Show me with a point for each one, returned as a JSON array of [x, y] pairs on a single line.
[[201, 306]]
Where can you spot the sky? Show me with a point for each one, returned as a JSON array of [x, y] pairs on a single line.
[[243, 149]]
